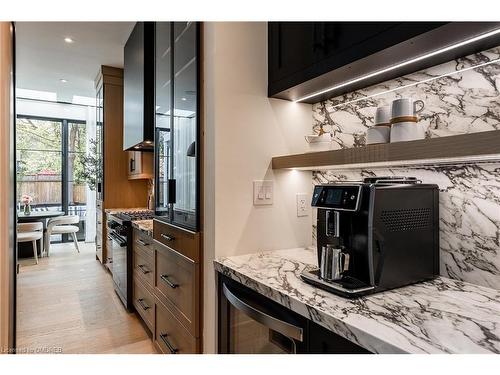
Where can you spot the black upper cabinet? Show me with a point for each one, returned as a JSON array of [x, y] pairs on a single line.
[[301, 51], [139, 110], [177, 138]]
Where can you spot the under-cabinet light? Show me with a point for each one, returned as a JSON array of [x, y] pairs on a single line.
[[397, 66]]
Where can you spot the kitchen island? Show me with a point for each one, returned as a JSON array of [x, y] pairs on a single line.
[[438, 316]]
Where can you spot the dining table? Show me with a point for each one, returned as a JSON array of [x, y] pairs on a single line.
[[24, 248]]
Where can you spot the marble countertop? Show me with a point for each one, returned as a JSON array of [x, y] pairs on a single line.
[[145, 226], [439, 316]]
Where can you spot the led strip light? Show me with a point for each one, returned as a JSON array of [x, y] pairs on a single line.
[[397, 66]]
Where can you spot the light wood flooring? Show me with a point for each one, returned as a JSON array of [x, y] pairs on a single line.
[[67, 304]]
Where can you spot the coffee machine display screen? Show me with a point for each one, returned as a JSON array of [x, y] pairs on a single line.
[[333, 196], [345, 197]]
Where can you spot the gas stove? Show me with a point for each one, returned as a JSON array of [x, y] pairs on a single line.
[[134, 215]]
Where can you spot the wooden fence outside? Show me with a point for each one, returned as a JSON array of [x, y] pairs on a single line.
[[49, 192]]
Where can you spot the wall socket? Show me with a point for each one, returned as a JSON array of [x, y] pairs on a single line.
[[303, 203]]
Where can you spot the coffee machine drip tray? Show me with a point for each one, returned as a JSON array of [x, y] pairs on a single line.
[[347, 286]]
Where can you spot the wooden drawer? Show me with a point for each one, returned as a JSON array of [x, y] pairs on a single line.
[[143, 265], [183, 241], [143, 242], [170, 336], [177, 286], [144, 303]]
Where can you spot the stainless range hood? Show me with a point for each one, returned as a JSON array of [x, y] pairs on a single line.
[[445, 43]]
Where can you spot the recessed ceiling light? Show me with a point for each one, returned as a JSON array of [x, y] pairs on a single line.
[[63, 80], [68, 40], [183, 99]]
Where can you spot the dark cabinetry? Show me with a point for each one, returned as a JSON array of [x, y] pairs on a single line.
[[177, 123], [250, 323], [300, 51], [139, 88]]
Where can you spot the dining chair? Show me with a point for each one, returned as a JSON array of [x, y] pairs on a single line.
[[31, 232], [62, 225]]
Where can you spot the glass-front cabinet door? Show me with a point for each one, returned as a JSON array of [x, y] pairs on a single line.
[[99, 144], [163, 100], [177, 123], [184, 142]]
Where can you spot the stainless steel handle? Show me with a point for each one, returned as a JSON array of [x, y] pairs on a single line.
[[140, 301], [170, 284], [277, 325], [143, 268], [168, 238], [163, 337], [141, 242]]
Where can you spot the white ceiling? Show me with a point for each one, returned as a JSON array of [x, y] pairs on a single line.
[[43, 58]]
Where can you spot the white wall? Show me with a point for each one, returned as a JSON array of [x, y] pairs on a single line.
[[244, 129]]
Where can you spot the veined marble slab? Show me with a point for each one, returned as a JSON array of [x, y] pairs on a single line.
[[439, 316], [461, 96]]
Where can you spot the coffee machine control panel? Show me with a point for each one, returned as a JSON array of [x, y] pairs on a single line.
[[337, 197]]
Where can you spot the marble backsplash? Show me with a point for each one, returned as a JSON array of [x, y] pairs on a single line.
[[461, 96]]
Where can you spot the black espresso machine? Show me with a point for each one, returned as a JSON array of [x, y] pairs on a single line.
[[378, 234]]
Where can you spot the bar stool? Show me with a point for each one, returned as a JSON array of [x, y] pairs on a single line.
[[31, 232]]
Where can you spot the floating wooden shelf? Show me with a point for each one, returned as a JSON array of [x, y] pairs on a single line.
[[472, 145]]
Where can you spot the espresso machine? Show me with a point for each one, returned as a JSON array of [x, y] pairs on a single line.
[[374, 235]]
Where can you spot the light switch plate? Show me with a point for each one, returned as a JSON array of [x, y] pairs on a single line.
[[302, 204], [263, 192]]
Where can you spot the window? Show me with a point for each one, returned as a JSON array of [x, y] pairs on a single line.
[[49, 166]]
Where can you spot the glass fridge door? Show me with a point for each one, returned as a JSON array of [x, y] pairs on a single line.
[[163, 100], [184, 138]]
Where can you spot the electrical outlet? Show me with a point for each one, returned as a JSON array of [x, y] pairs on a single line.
[[262, 192], [302, 204]]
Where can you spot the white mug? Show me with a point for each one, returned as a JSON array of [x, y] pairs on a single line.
[[383, 115], [406, 107], [378, 134]]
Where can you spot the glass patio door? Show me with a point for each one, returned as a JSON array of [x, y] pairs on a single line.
[[50, 168]]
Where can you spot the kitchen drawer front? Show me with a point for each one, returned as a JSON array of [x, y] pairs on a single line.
[[183, 241], [144, 303], [143, 265], [177, 286], [143, 241], [170, 336]]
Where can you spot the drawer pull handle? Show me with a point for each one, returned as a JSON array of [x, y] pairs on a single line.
[[143, 268], [140, 301], [170, 284], [163, 338], [141, 242], [168, 238]]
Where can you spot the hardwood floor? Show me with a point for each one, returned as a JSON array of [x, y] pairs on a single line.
[[67, 304]]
